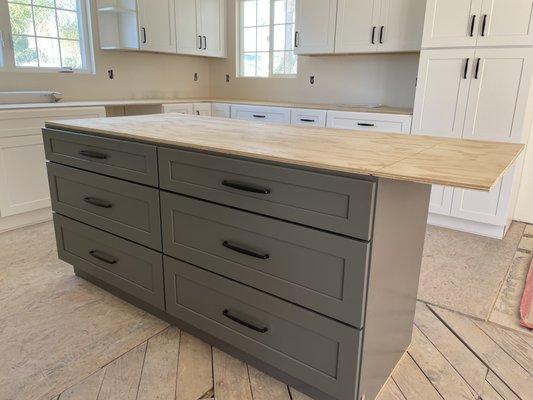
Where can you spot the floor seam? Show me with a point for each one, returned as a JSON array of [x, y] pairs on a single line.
[[424, 373]]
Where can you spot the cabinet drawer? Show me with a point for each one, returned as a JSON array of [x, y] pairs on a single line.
[[276, 115], [178, 108], [318, 270], [329, 202], [221, 110], [312, 348], [134, 162], [119, 207], [300, 116], [369, 122], [125, 265]]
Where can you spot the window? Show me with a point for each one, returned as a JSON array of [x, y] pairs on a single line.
[[49, 34], [267, 38]]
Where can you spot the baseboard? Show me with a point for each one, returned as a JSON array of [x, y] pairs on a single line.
[[26, 219], [458, 224]]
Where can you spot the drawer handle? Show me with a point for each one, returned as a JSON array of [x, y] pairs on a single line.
[[365, 124], [259, 116], [98, 202], [93, 154], [103, 257], [245, 187], [246, 252], [307, 120], [227, 314]]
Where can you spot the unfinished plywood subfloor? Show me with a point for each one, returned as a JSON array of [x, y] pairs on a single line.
[[61, 337]]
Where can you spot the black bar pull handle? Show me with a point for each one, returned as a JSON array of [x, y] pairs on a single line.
[[143, 29], [259, 116], [93, 154], [381, 34], [472, 25], [484, 24], [365, 124], [244, 251], [374, 34], [246, 187], [227, 314], [476, 74], [199, 42], [307, 120], [99, 255], [205, 42], [465, 72], [296, 39], [98, 202]]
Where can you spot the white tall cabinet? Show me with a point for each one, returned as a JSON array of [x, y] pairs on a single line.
[[24, 193], [477, 92]]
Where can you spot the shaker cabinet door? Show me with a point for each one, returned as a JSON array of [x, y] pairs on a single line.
[[401, 25], [315, 26], [157, 25], [357, 26]]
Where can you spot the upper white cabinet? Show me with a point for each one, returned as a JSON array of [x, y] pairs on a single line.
[[315, 26], [156, 25], [117, 24], [468, 23], [379, 25], [201, 27]]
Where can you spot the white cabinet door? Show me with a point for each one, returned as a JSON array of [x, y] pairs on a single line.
[[23, 180], [157, 25], [451, 23], [315, 26], [183, 108], [506, 23], [273, 115], [487, 207], [444, 78], [221, 110], [202, 109], [188, 37], [357, 26], [499, 92], [376, 122], [440, 201], [212, 20], [308, 117], [401, 25]]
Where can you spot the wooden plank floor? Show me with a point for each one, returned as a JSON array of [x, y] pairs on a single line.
[[126, 354], [452, 357]]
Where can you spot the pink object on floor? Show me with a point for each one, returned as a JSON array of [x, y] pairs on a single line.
[[526, 306]]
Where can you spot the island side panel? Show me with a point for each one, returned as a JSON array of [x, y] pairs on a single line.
[[398, 242]]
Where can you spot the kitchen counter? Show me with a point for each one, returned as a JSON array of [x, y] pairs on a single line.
[[140, 102], [295, 249], [423, 159]]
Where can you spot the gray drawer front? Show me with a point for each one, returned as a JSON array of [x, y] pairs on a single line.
[[328, 202], [126, 160], [312, 348], [128, 210], [123, 264], [318, 270]]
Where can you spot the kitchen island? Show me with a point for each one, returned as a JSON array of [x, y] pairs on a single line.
[[295, 249]]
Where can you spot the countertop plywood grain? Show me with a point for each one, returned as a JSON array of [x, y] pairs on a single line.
[[432, 160]]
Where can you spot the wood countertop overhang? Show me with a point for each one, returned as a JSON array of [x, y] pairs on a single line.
[[459, 163]]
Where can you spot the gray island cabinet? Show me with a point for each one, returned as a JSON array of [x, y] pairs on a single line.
[[304, 268]]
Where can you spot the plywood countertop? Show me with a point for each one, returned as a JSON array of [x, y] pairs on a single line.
[[451, 162], [146, 102]]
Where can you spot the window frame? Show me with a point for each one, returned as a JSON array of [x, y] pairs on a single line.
[[240, 46], [86, 44]]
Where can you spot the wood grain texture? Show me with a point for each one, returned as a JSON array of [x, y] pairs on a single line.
[[195, 369], [231, 377], [391, 391], [121, 380], [432, 160], [265, 387], [158, 379], [296, 395], [412, 382], [87, 389], [501, 388]]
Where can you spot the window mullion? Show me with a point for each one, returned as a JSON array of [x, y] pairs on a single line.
[[271, 41], [35, 36]]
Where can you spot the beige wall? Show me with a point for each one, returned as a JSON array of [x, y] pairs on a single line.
[[138, 75], [386, 78]]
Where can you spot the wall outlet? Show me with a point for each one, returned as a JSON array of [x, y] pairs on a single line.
[[227, 77], [312, 79], [111, 74], [196, 77]]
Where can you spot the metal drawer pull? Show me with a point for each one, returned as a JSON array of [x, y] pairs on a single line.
[[307, 120], [103, 257], [472, 26], [373, 35], [98, 202], [476, 74], [245, 187], [93, 154], [381, 34], [246, 252], [227, 314], [465, 72], [484, 24], [365, 124], [259, 116]]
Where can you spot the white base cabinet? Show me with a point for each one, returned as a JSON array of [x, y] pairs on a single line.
[[23, 178], [369, 121], [221, 110], [273, 115]]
